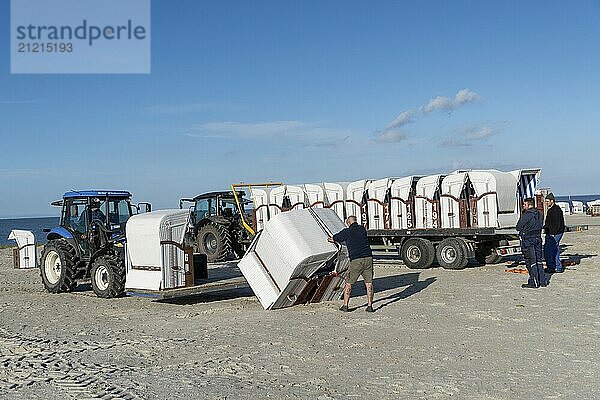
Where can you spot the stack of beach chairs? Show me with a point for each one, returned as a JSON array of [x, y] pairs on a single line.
[[457, 200]]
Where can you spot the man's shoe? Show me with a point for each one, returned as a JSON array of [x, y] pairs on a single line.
[[528, 286], [559, 271], [369, 309], [344, 309]]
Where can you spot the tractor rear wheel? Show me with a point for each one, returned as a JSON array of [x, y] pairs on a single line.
[[214, 240], [108, 276], [57, 267]]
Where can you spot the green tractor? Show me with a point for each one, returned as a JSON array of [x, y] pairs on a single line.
[[218, 224], [89, 242]]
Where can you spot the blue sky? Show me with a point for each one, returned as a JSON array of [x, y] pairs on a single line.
[[312, 91]]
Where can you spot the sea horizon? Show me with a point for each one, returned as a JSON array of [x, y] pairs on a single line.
[[35, 217], [34, 224]]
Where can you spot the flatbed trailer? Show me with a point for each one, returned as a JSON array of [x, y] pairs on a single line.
[[446, 232], [221, 277], [450, 247], [443, 218]]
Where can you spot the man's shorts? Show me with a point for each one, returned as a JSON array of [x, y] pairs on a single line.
[[358, 267]]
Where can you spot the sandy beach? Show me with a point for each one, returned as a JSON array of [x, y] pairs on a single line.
[[436, 334]]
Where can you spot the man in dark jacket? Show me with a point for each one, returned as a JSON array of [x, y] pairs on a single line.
[[530, 232], [361, 260], [554, 228]]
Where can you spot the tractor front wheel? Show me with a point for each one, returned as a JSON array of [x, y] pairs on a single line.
[[57, 266], [214, 240], [108, 276]]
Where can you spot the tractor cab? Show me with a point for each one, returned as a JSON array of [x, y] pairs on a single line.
[[112, 210], [219, 205], [216, 219], [87, 216]]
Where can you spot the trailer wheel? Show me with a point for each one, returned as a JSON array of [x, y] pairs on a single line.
[[450, 254], [495, 258], [465, 253], [417, 253], [481, 255], [488, 255], [430, 252], [58, 266], [214, 240], [108, 276]]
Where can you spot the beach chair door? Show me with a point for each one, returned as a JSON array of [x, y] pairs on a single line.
[[295, 196], [452, 191], [276, 201], [355, 201], [377, 203], [315, 195], [402, 203], [260, 198], [335, 198]]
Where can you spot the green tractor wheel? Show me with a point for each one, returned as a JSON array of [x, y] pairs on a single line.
[[214, 240]]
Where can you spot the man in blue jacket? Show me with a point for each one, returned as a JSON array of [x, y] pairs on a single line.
[[361, 260], [529, 227]]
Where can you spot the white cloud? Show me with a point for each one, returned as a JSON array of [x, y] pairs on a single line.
[[438, 103], [390, 136], [231, 129], [441, 103], [469, 136], [330, 143], [454, 142], [478, 132], [466, 96], [277, 133], [402, 119], [18, 172]]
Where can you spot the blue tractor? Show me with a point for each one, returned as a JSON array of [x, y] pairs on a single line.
[[89, 242]]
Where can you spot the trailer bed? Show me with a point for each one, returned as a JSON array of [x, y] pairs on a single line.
[[441, 232], [220, 277]]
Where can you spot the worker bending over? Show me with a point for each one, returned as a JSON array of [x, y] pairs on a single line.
[[361, 259]]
